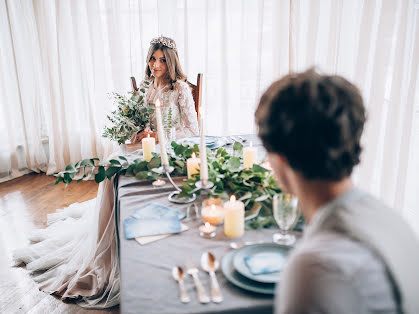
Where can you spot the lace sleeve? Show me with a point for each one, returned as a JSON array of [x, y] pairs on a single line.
[[188, 125]]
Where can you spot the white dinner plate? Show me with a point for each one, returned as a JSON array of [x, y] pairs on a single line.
[[240, 281], [260, 248]]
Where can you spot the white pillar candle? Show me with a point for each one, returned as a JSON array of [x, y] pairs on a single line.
[[203, 152], [250, 154], [149, 147], [233, 218], [192, 166], [160, 132]]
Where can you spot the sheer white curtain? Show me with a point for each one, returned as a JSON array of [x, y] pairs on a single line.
[[375, 44], [59, 59]]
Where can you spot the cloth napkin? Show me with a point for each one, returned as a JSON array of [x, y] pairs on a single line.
[[145, 227], [156, 211], [265, 263], [153, 219]]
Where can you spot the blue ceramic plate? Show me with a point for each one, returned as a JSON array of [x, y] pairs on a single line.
[[212, 142], [259, 250], [209, 140], [240, 281]]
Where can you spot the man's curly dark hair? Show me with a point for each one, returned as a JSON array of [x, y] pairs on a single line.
[[315, 121]]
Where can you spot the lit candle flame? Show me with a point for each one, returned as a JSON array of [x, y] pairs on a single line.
[[232, 198], [148, 135], [207, 225], [193, 156], [213, 207], [158, 103]]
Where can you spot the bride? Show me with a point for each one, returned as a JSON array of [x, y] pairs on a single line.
[[76, 256]]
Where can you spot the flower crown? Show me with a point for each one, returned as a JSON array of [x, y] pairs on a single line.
[[165, 41]]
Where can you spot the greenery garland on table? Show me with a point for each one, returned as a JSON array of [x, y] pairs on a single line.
[[252, 186]]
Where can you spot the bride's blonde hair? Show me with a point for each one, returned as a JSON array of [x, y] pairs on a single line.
[[168, 46]]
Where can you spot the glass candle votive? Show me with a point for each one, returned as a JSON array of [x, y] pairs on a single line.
[[207, 230], [212, 211], [159, 182]]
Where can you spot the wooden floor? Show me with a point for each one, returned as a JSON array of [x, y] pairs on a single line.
[[24, 204]]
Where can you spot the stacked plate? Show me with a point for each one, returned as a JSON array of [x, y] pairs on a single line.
[[212, 142], [238, 269]]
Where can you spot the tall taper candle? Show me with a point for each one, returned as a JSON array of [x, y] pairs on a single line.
[[203, 152], [160, 132]]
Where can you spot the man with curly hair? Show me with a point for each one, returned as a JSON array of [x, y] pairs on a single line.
[[356, 255]]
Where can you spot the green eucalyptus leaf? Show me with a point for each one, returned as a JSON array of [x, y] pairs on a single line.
[[180, 150], [70, 168], [110, 172], [259, 169], [155, 162], [87, 162], [141, 166], [142, 175], [130, 171], [101, 175], [234, 162], [246, 196], [237, 146], [67, 179], [262, 198], [114, 162]]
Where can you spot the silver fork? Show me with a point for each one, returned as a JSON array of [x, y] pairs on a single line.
[[202, 295]]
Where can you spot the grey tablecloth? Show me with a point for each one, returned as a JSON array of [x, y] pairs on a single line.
[[146, 282]]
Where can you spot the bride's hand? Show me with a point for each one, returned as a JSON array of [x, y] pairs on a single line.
[[144, 133], [155, 135]]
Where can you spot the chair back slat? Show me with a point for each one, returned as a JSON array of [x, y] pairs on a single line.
[[134, 84], [197, 92]]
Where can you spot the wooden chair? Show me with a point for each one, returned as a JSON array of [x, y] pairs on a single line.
[[196, 90]]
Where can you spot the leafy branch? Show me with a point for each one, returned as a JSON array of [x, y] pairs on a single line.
[[131, 116], [255, 185]]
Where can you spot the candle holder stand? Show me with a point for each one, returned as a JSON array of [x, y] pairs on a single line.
[[200, 186], [166, 169]]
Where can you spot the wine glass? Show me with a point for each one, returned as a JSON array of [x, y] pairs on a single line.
[[285, 211]]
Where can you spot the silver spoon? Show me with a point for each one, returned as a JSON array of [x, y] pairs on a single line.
[[177, 273], [210, 265]]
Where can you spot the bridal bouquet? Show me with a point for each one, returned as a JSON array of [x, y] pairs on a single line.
[[131, 116]]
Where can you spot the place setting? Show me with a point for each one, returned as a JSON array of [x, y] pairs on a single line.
[[257, 267]]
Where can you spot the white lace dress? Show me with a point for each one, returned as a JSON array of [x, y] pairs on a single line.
[[178, 109], [76, 256]]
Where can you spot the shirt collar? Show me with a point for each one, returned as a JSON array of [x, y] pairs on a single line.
[[324, 211]]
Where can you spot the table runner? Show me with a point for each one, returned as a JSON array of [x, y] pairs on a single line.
[[146, 282]]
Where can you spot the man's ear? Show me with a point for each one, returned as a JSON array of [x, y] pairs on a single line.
[[278, 160]]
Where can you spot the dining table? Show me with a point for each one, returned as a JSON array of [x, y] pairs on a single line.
[[146, 282]]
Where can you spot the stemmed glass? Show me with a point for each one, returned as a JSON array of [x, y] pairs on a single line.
[[285, 210]]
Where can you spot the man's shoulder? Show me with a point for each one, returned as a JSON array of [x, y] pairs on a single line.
[[332, 252], [336, 274]]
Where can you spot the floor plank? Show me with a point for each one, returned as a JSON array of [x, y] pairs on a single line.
[[24, 205]]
